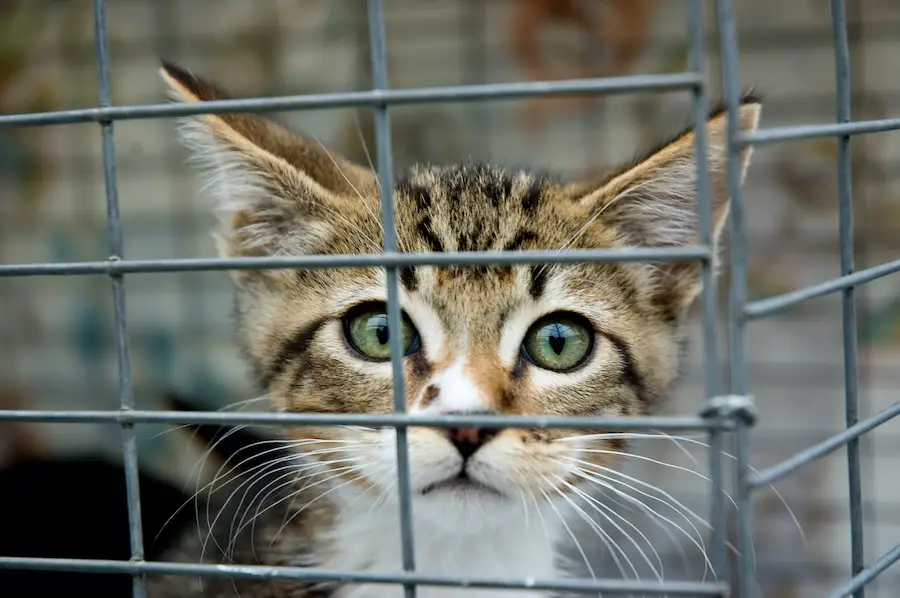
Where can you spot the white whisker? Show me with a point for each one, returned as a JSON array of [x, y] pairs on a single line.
[[597, 505], [677, 440], [602, 534], [611, 483]]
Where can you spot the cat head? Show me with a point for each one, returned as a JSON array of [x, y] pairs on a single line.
[[574, 339]]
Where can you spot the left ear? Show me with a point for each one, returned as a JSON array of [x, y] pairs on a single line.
[[656, 202]]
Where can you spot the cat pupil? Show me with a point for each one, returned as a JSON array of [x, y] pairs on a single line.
[[556, 339], [381, 330]]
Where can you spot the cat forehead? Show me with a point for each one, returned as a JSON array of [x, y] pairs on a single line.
[[474, 190], [479, 207]]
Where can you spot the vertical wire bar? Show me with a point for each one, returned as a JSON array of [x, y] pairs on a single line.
[[848, 298], [114, 227], [385, 178], [700, 104], [473, 28], [737, 374]]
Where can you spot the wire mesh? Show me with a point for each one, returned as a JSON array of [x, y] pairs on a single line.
[[720, 419]]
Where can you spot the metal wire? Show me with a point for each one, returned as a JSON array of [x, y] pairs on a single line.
[[114, 226], [606, 586], [737, 374], [474, 258], [395, 321], [848, 298], [714, 416]]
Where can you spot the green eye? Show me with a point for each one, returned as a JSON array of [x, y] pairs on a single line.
[[366, 329], [558, 342]]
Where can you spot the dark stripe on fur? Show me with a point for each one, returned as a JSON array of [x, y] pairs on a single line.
[[629, 375], [408, 279], [532, 197], [420, 194], [523, 237], [428, 235], [291, 350], [538, 281]]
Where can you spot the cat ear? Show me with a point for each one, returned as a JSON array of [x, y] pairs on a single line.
[[275, 191], [655, 202]]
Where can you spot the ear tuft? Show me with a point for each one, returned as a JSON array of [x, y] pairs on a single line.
[[275, 192], [655, 200], [187, 87]]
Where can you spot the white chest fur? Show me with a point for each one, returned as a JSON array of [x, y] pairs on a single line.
[[470, 545]]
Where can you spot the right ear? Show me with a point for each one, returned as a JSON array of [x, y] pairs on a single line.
[[275, 192]]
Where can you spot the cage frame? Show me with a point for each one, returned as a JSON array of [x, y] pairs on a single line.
[[728, 407]]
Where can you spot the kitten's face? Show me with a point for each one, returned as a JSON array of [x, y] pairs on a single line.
[[599, 339]]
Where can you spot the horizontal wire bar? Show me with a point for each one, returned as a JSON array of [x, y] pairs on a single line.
[[420, 95], [802, 132], [610, 586], [371, 419], [775, 473], [868, 574], [456, 258], [765, 307]]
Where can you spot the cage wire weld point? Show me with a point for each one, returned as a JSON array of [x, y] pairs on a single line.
[[731, 408]]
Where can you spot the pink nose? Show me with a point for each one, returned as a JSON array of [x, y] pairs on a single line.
[[468, 440]]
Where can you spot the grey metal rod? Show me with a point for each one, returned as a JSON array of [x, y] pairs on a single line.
[[737, 374], [766, 307], [700, 105], [788, 466], [462, 258], [378, 51], [747, 564], [804, 132], [605, 586], [355, 99], [867, 575], [114, 228], [848, 299], [370, 419]]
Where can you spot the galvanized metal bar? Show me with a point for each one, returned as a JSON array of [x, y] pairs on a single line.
[[743, 490], [766, 307], [848, 299], [542, 422], [371, 260], [788, 466], [867, 575], [818, 131], [700, 106], [475, 58], [370, 98], [737, 374], [604, 586], [378, 51], [114, 228]]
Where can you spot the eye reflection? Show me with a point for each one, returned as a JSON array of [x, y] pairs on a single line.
[[558, 342]]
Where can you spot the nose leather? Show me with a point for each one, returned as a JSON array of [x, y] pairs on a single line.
[[469, 439]]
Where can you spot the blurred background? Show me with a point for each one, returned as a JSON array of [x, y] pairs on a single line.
[[57, 332]]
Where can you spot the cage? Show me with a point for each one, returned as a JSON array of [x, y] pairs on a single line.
[[792, 366]]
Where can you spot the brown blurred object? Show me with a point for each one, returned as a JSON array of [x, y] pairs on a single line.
[[620, 30], [18, 440]]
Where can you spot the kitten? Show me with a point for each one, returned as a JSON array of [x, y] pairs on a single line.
[[578, 339]]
